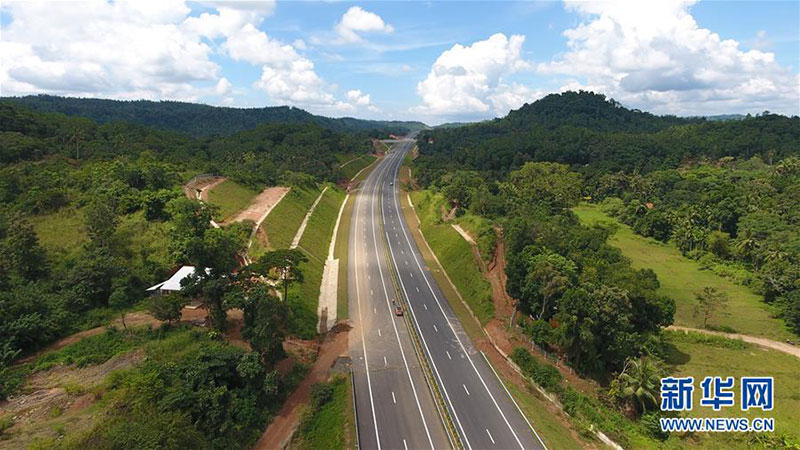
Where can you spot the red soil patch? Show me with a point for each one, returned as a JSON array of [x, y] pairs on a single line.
[[261, 205], [281, 429]]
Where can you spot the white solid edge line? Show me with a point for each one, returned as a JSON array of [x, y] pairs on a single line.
[[388, 305], [363, 339], [483, 382]]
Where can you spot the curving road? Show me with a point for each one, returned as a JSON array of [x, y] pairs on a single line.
[[483, 413]]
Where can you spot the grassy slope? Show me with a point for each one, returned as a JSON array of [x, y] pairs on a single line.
[[231, 198], [681, 277], [282, 223], [455, 254], [551, 430], [327, 427], [353, 167], [315, 241], [719, 357], [341, 253]]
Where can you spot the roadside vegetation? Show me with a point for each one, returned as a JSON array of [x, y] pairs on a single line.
[[454, 253], [327, 418], [351, 164]]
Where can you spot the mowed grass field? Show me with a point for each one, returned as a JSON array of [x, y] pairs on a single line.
[[681, 277], [354, 163], [230, 197], [455, 255], [700, 356], [283, 221]]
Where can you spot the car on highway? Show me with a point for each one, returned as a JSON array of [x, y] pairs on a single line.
[[398, 310]]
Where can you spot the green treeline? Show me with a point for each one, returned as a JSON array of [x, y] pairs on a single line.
[[203, 120]]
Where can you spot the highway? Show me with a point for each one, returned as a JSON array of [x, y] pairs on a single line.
[[394, 405], [483, 413]]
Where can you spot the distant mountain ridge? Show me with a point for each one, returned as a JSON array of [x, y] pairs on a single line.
[[589, 110], [199, 119]]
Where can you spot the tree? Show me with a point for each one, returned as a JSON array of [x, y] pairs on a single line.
[[280, 265], [710, 303], [101, 222], [265, 320], [167, 307], [639, 382], [119, 300], [547, 184]]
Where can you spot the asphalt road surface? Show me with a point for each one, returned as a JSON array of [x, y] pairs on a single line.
[[394, 405]]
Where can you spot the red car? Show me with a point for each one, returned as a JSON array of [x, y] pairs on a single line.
[[398, 310]]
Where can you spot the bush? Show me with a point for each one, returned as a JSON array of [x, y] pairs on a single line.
[[167, 307], [612, 206], [321, 393]]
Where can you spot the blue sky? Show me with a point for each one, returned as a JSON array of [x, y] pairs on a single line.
[[430, 61]]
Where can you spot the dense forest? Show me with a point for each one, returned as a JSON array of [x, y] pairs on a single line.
[[203, 120], [591, 134], [725, 192], [111, 194]]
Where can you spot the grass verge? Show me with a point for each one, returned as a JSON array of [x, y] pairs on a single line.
[[327, 425], [681, 277], [355, 164], [455, 255], [231, 198]]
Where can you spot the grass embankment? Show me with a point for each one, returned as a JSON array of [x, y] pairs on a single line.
[[328, 425], [681, 278], [538, 409], [354, 163], [341, 252], [231, 198], [455, 255], [315, 243], [283, 221]]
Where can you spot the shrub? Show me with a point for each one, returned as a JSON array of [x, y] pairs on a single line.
[[321, 393]]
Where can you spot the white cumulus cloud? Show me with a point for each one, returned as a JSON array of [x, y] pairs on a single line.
[[357, 20], [357, 97], [655, 56], [98, 48], [466, 80]]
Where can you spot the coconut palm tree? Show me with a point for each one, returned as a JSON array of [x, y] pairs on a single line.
[[639, 382]]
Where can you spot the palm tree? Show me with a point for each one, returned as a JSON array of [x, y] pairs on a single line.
[[639, 382]]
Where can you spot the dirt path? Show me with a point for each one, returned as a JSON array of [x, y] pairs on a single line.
[[281, 429], [302, 229], [134, 319], [261, 205], [464, 234], [768, 343]]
